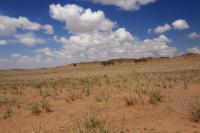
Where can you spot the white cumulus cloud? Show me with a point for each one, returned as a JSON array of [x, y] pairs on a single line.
[[92, 46], [3, 42], [29, 39], [80, 20], [9, 25], [48, 29], [195, 49], [193, 35], [128, 5], [20, 61], [176, 25], [180, 24], [90, 41], [109, 45], [162, 29]]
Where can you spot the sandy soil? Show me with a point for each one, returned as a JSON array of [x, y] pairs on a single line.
[[75, 92]]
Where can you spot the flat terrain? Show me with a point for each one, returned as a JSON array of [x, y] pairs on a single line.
[[152, 96]]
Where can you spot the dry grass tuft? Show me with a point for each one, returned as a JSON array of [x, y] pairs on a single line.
[[46, 105], [8, 113], [155, 96], [130, 101], [35, 108], [38, 129], [195, 113], [92, 123]]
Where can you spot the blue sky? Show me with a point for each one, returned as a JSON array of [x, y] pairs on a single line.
[[35, 33]]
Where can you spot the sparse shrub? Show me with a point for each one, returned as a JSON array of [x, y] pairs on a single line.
[[155, 96], [104, 96], [107, 63], [44, 93], [196, 112], [38, 85], [8, 101], [75, 96], [18, 105], [137, 98], [35, 108], [86, 91], [46, 105], [170, 86], [123, 128], [38, 129], [185, 85], [93, 123], [98, 99], [141, 91], [4, 101], [130, 101], [164, 84], [140, 98], [7, 113]]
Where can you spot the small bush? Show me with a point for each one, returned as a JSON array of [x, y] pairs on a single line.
[[86, 91], [98, 99], [75, 96], [38, 129], [164, 84], [104, 96], [185, 85], [7, 113], [46, 106], [141, 91], [196, 112], [35, 108], [93, 123], [155, 96], [130, 101], [107, 63]]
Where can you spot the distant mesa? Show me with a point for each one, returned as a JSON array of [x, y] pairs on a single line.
[[128, 60], [191, 55], [140, 60]]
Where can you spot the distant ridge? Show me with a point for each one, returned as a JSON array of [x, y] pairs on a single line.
[[145, 59], [191, 55], [126, 60]]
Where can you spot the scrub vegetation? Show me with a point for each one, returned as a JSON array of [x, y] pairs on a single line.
[[115, 96]]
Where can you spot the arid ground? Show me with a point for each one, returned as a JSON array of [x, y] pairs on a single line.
[[150, 95]]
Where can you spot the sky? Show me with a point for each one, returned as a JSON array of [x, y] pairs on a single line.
[[48, 33]]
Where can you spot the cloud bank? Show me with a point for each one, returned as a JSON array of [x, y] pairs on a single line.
[[3, 42], [128, 5], [179, 24], [162, 29], [9, 25], [193, 35], [79, 20], [195, 50], [93, 37], [29, 39]]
